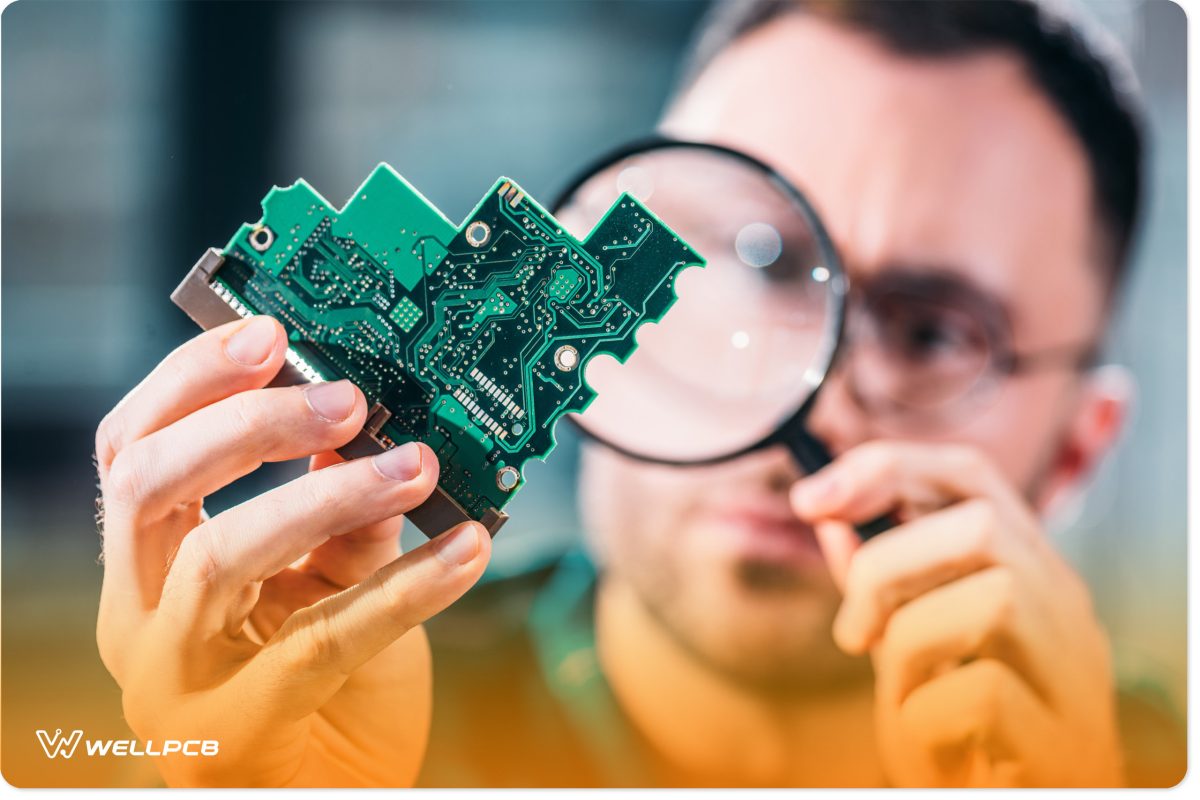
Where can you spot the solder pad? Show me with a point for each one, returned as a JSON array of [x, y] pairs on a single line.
[[470, 338]]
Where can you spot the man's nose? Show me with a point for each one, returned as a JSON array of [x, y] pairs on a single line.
[[836, 418]]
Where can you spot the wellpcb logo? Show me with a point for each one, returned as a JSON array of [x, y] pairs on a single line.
[[58, 745]]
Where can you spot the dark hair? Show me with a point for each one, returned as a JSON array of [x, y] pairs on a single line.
[[1084, 75]]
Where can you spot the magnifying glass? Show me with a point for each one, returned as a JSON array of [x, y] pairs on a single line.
[[737, 364]]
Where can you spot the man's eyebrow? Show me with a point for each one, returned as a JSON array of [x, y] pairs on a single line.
[[935, 281], [941, 284]]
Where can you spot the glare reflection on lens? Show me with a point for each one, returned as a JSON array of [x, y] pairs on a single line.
[[758, 244]]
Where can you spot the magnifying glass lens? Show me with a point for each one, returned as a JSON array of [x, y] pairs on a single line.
[[752, 333]]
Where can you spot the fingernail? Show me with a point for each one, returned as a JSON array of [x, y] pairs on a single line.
[[815, 492], [253, 343], [459, 545], [401, 463], [332, 402]]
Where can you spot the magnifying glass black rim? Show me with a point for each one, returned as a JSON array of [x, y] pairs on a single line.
[[791, 431]]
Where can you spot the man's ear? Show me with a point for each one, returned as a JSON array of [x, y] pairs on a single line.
[[1104, 405]]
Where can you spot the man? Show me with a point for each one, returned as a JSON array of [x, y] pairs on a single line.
[[939, 142], [729, 628]]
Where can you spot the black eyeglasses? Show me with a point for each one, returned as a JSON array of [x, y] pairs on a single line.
[[919, 345]]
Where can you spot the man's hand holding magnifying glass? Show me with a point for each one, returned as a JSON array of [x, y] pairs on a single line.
[[991, 669]]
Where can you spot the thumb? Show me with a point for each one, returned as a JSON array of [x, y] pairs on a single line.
[[838, 541]]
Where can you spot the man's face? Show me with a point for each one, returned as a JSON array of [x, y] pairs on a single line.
[[955, 168]]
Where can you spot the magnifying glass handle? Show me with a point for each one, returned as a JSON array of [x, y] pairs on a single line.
[[875, 527], [812, 455]]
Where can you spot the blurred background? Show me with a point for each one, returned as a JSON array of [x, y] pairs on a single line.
[[137, 134]]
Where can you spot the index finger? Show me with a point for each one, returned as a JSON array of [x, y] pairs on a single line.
[[231, 358], [914, 558], [882, 477]]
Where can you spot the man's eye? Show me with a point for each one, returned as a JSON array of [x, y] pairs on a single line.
[[926, 336], [924, 339]]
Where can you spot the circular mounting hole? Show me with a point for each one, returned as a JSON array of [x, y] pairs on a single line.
[[566, 358], [478, 234], [261, 238], [508, 478]]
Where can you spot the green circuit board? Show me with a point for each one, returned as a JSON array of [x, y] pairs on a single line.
[[472, 338]]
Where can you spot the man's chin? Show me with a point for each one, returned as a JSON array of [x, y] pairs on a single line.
[[746, 592], [764, 576], [777, 611], [783, 663], [767, 625]]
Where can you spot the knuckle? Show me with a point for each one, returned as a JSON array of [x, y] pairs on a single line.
[[178, 369], [244, 416], [108, 438], [197, 559], [328, 490], [880, 458], [325, 640], [127, 483], [312, 639], [966, 458], [983, 524], [391, 590]]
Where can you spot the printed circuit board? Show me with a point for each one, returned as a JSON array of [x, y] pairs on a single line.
[[472, 338]]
